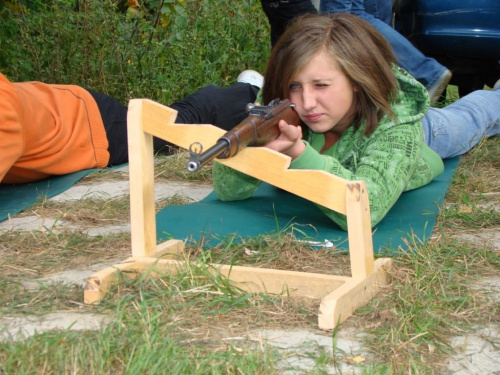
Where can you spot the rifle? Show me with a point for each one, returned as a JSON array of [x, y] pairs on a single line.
[[259, 128]]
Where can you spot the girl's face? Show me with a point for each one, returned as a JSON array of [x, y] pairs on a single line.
[[324, 97]]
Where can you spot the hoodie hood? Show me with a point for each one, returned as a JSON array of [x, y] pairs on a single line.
[[412, 100]]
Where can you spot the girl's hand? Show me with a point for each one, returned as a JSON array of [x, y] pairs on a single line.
[[289, 141]]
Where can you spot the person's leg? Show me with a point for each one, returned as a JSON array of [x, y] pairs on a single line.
[[455, 129], [280, 12], [222, 107], [427, 71], [380, 9], [114, 117], [334, 6]]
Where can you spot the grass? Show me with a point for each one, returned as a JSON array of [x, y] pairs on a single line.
[[432, 299], [149, 350], [155, 322], [195, 322], [174, 168]]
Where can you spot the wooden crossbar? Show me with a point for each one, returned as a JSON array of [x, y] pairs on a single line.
[[340, 295]]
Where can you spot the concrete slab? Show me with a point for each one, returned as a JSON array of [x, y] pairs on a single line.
[[30, 223], [303, 348], [110, 229], [484, 237], [77, 276], [477, 354], [117, 189], [490, 286], [22, 327]]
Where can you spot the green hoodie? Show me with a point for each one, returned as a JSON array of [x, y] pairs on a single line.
[[393, 159]]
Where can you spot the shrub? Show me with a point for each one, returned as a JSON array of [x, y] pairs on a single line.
[[162, 50]]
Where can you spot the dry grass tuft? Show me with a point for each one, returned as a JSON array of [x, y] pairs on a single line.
[[41, 253], [173, 167], [283, 252]]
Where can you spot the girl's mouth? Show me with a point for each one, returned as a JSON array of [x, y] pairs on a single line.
[[314, 117]]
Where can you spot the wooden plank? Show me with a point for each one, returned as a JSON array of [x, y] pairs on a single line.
[[141, 177], [359, 230], [288, 283], [174, 249], [317, 186], [252, 279], [99, 283], [341, 303], [340, 295], [158, 120]]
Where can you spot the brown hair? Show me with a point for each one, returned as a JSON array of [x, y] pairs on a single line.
[[359, 50]]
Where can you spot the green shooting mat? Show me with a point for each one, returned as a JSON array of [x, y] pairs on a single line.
[[16, 198], [271, 210]]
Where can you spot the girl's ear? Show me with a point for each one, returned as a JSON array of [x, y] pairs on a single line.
[[354, 85]]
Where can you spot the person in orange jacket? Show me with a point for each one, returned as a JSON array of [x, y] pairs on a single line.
[[52, 129]]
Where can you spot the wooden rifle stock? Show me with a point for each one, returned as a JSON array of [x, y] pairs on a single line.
[[258, 129]]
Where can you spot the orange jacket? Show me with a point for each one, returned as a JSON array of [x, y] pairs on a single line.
[[48, 130]]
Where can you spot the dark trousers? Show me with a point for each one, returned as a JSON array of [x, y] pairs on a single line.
[[281, 12], [222, 107]]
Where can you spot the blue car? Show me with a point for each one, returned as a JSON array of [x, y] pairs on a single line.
[[463, 35]]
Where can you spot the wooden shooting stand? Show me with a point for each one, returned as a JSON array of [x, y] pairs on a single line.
[[340, 295]]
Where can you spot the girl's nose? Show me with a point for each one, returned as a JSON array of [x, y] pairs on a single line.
[[308, 98]]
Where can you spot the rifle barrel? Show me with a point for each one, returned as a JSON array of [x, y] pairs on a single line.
[[257, 129], [198, 160]]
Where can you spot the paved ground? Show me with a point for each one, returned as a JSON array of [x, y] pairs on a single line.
[[476, 354]]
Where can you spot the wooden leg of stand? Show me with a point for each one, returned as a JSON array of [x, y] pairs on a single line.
[[343, 301], [99, 283], [359, 230]]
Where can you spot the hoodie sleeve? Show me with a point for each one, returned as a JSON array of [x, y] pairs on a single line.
[[386, 164], [232, 185]]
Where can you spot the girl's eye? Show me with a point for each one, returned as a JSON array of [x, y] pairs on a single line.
[[321, 85], [294, 86]]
